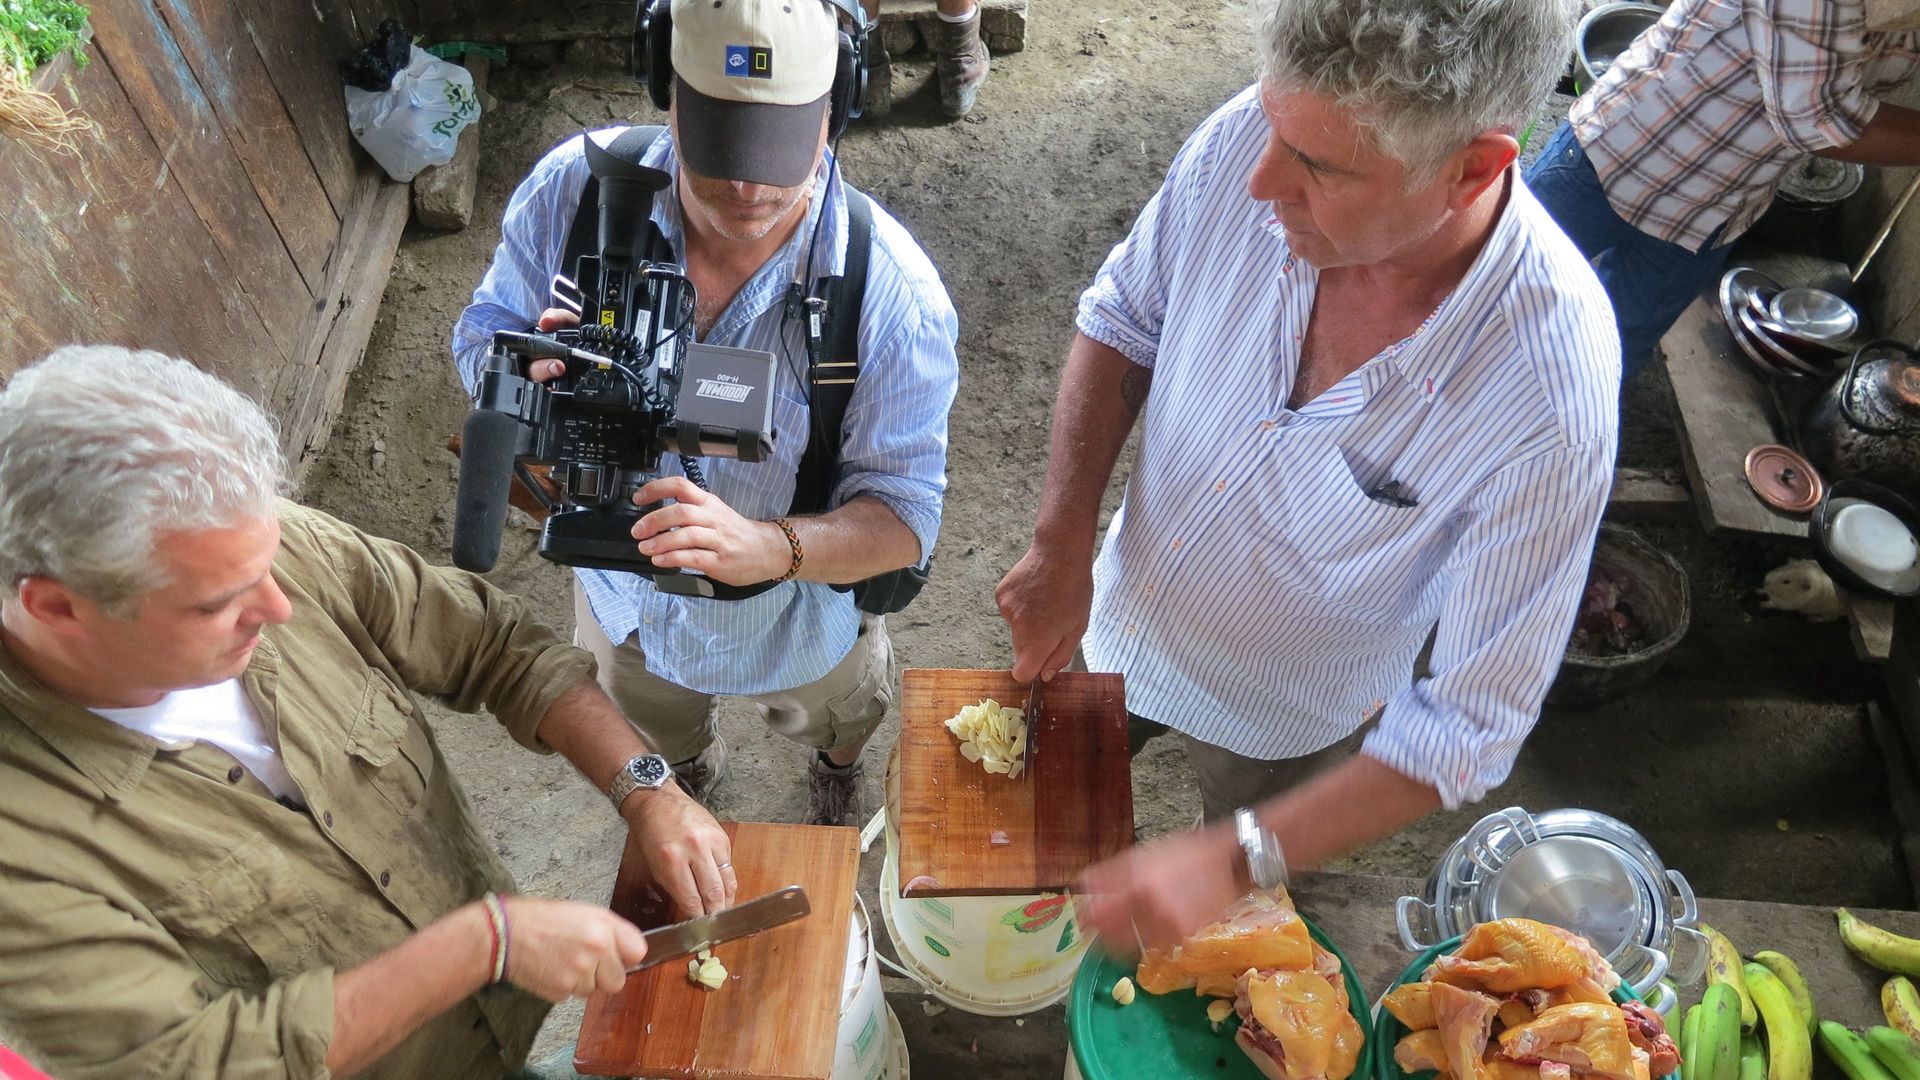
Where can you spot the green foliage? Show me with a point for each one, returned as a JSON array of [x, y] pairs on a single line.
[[33, 32]]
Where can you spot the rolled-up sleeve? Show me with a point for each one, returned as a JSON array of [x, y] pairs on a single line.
[[533, 234], [894, 441], [1126, 305], [1812, 65], [97, 993], [450, 633], [1519, 570]]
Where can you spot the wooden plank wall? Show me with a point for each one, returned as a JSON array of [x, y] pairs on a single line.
[[221, 210], [1891, 286]]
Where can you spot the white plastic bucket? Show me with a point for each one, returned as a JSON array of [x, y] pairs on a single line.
[[989, 955], [870, 1046]]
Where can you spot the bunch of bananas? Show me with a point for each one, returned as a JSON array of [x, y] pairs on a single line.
[[1757, 1019]]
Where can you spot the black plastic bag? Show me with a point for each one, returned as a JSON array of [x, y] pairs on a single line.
[[372, 68]]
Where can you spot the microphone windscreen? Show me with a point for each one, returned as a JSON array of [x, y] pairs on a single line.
[[489, 442]]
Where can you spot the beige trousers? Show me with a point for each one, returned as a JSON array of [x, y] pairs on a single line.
[[842, 708]]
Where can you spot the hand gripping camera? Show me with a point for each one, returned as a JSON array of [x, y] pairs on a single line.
[[636, 386]]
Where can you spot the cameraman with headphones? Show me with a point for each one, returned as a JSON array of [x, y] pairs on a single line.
[[769, 234]]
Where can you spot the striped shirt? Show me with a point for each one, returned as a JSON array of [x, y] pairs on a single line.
[[1260, 588], [1692, 128], [893, 443]]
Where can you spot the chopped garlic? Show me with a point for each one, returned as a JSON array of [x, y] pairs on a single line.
[[1123, 991], [710, 973], [993, 735], [1217, 1012]]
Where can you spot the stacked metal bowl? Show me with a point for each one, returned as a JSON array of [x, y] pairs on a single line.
[[1787, 333], [1572, 868]]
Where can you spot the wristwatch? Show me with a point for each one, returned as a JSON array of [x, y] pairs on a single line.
[[647, 771], [1266, 863]]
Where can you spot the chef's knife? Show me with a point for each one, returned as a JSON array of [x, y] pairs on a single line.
[[738, 921], [1036, 699]]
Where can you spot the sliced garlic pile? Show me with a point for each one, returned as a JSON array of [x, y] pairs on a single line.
[[707, 970], [993, 735]]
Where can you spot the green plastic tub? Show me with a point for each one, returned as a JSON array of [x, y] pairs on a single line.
[[1166, 1036], [1388, 1030]]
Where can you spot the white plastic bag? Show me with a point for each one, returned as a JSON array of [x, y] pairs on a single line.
[[416, 121]]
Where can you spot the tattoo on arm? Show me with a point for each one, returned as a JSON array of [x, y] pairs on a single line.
[[1134, 386]]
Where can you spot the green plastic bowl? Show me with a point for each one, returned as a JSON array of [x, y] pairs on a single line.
[[1166, 1036], [1388, 1030]]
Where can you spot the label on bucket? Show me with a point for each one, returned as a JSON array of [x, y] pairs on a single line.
[[863, 1042], [1036, 916]]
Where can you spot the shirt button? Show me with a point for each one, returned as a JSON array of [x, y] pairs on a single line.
[[385, 879], [1266, 425], [326, 818], [1176, 543], [1220, 485], [234, 774], [1130, 629]]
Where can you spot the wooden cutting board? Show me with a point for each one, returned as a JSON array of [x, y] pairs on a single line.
[[778, 1016], [1071, 808]]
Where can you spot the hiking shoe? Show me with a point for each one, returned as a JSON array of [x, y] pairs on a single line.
[[703, 772], [960, 59], [833, 793]]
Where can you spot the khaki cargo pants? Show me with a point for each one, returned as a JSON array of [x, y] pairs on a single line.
[[842, 708]]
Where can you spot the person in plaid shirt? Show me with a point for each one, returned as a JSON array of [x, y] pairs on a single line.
[[1677, 149]]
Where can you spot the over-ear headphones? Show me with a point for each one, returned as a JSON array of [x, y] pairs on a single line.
[[652, 58]]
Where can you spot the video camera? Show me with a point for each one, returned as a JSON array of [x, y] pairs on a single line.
[[636, 386]]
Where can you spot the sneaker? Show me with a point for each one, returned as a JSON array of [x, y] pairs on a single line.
[[703, 772], [960, 59], [833, 793]]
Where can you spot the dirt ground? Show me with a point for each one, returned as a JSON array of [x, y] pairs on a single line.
[[1747, 762]]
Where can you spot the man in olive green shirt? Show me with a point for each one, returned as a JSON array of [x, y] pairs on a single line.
[[229, 845]]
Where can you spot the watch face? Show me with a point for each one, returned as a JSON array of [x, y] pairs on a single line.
[[649, 771]]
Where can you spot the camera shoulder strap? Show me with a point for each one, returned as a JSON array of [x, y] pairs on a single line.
[[583, 234], [833, 369]]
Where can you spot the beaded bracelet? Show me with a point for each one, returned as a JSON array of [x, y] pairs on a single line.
[[793, 542], [497, 925]]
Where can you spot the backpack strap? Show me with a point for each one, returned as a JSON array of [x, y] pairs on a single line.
[[583, 234], [834, 366]]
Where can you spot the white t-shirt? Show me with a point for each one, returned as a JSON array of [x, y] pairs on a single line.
[[220, 714]]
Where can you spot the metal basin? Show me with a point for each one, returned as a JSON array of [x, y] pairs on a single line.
[[1814, 313], [1584, 885], [1605, 32]]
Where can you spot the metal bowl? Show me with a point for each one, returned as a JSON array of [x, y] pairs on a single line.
[[1584, 885], [1606, 32], [1783, 359], [1814, 313]]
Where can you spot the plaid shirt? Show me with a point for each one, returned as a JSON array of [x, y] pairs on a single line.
[[1694, 125]]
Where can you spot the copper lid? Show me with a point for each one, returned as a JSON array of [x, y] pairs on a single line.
[[1783, 479]]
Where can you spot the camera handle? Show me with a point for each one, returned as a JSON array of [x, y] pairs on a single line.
[[604, 541]]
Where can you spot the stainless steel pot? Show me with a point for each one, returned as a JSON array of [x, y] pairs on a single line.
[[1585, 871], [1867, 424]]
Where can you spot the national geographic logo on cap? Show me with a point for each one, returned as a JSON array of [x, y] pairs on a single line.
[[749, 62]]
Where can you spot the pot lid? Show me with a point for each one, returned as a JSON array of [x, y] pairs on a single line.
[[1783, 479]]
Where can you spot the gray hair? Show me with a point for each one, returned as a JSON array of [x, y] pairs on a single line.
[[1426, 76], [104, 449]]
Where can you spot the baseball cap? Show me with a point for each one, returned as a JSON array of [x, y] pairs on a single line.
[[751, 84]]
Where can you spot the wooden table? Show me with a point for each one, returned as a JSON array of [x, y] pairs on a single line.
[[1723, 409]]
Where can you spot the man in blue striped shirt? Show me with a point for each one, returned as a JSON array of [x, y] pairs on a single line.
[[758, 214], [1379, 394]]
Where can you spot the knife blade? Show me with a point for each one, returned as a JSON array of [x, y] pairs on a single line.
[[741, 920], [1036, 699]]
